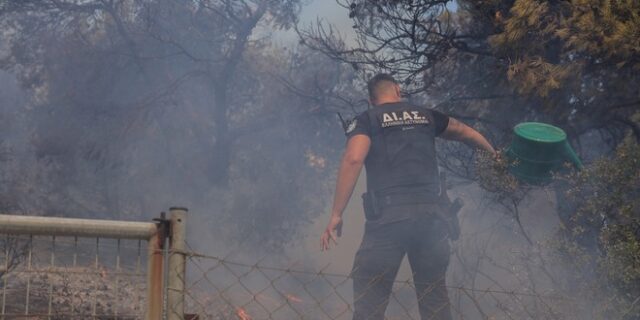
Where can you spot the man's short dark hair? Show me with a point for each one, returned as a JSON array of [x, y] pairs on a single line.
[[375, 83]]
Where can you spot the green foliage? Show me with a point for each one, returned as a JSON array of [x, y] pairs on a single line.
[[534, 75], [494, 176], [599, 239], [500, 62], [603, 230], [553, 45], [604, 30], [622, 260]]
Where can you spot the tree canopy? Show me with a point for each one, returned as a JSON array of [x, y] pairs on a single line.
[[571, 63]]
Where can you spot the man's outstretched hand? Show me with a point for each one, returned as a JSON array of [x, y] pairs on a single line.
[[332, 232]]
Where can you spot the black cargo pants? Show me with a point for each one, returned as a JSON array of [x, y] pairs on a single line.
[[423, 237]]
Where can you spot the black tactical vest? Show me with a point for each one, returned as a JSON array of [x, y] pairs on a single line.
[[402, 156]]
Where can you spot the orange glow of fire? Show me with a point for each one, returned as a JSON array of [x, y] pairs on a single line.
[[242, 314], [293, 298]]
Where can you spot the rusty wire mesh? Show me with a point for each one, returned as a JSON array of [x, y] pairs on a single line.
[[45, 277], [221, 288]]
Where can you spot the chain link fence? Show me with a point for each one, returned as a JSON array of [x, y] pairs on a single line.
[[219, 288], [56, 268]]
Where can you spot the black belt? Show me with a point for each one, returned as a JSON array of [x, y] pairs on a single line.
[[407, 198]]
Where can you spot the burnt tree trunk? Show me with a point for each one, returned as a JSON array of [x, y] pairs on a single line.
[[222, 82], [221, 160]]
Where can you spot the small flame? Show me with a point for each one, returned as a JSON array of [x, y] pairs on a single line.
[[293, 298], [242, 314]]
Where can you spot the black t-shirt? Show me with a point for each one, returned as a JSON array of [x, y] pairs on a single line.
[[362, 125]]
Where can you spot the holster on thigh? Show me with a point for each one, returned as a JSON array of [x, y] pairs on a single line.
[[371, 207]]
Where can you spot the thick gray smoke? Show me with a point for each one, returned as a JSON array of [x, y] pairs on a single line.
[[123, 109]]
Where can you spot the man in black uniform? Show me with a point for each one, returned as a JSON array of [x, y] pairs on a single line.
[[395, 141]]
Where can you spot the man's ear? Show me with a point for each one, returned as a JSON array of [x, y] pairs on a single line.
[[398, 91]]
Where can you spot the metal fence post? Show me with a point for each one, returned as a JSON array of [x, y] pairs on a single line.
[[176, 278], [155, 272]]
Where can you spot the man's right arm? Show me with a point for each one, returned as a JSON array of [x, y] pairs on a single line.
[[459, 131], [350, 166]]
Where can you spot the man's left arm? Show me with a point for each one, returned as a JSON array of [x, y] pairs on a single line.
[[459, 131]]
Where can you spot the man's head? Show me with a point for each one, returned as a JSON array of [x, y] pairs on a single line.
[[383, 88]]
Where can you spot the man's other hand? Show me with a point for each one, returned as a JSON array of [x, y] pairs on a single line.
[[333, 230]]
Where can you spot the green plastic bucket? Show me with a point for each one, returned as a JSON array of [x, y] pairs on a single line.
[[539, 149]]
